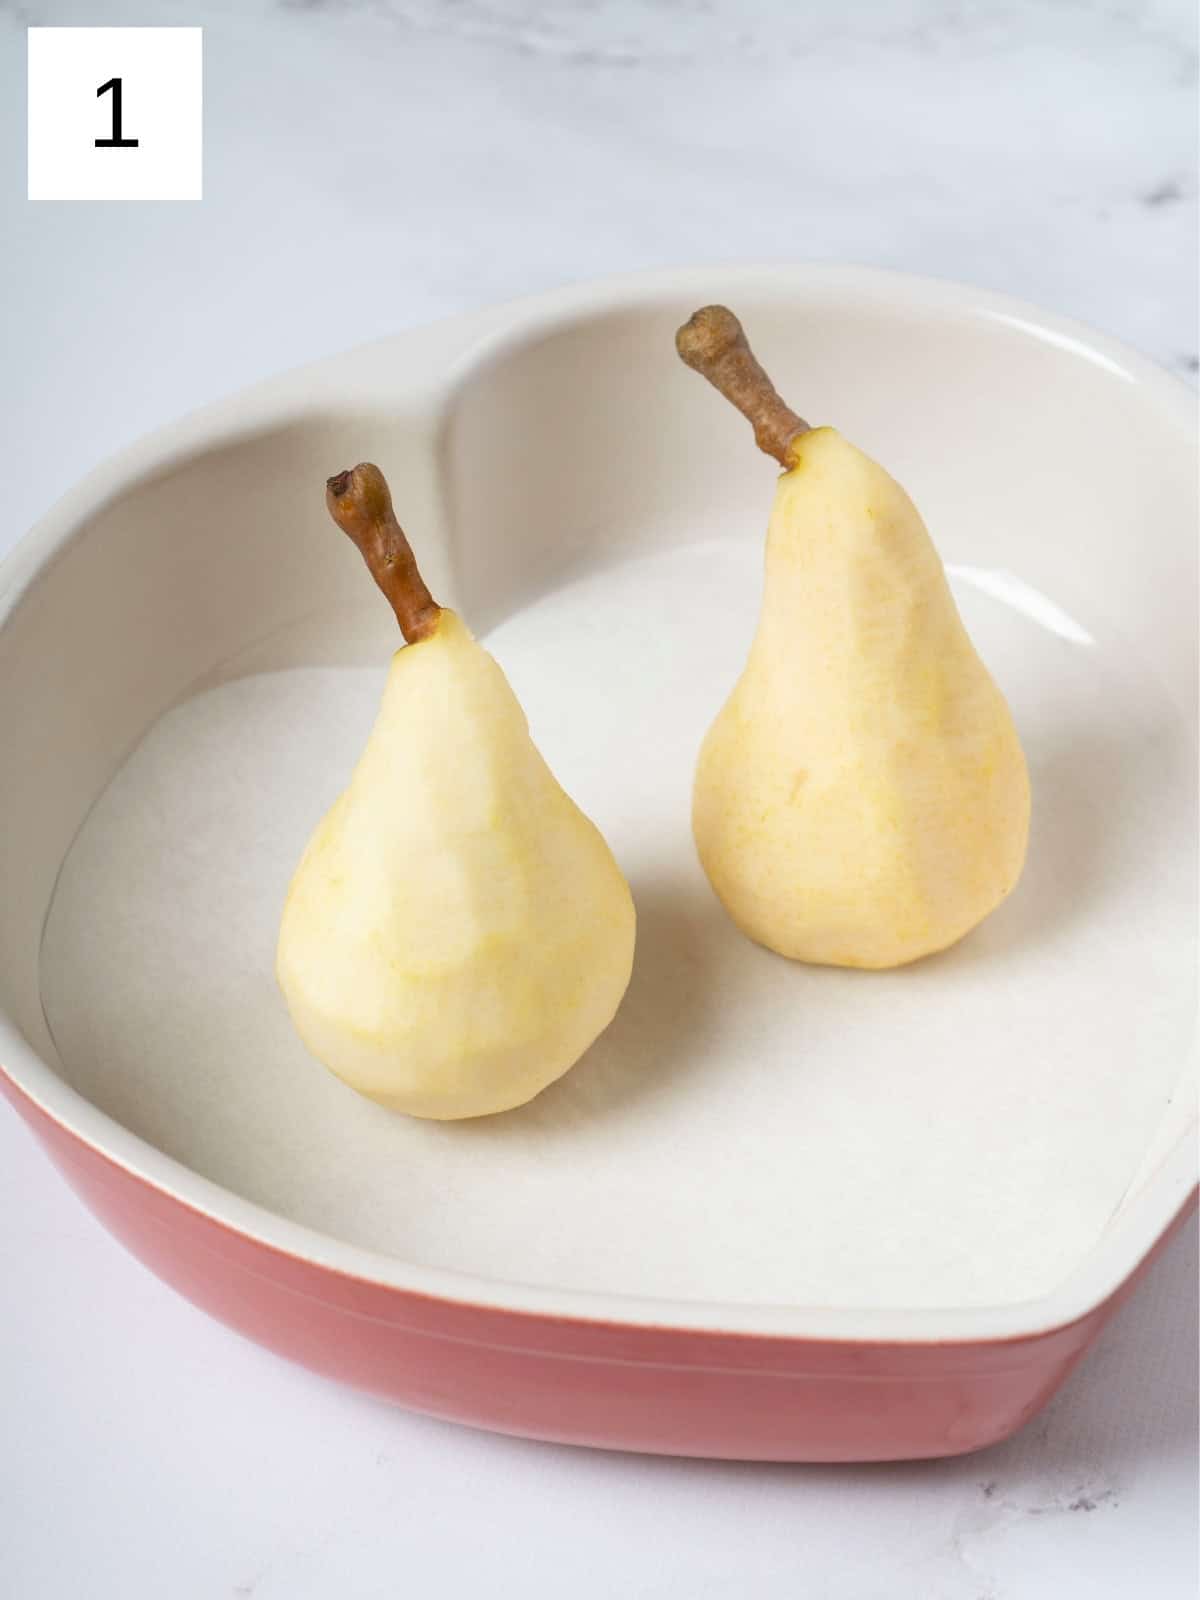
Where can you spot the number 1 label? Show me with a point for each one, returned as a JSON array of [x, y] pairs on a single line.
[[78, 116], [114, 140]]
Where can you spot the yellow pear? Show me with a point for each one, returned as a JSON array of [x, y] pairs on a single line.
[[457, 932], [862, 798]]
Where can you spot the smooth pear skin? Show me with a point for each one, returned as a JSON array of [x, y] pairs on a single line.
[[457, 932], [862, 799]]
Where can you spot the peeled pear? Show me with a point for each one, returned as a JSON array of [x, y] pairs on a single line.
[[457, 932], [862, 798]]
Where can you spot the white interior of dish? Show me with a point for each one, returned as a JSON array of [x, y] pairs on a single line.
[[188, 684]]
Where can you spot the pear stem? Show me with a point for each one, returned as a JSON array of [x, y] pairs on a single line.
[[360, 502], [713, 343]]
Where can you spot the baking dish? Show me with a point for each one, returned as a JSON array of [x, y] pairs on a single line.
[[776, 1212]]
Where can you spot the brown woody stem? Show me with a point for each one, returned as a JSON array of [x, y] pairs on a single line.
[[360, 503], [713, 342]]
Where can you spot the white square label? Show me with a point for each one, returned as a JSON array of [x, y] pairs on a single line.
[[115, 113]]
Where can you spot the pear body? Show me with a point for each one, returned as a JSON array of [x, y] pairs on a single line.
[[457, 932], [862, 798]]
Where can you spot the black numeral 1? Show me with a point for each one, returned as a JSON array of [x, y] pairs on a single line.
[[115, 140]]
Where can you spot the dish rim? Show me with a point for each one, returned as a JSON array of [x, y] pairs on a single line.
[[485, 337]]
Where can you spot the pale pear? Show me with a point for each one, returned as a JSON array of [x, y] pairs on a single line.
[[457, 932], [862, 799]]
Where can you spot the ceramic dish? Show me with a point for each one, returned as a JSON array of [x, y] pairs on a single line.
[[776, 1212]]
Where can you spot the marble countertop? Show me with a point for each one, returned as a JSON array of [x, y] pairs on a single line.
[[372, 164]]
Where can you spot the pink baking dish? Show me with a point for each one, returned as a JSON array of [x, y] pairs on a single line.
[[776, 1212]]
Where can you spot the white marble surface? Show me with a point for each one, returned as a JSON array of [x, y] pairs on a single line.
[[374, 163]]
